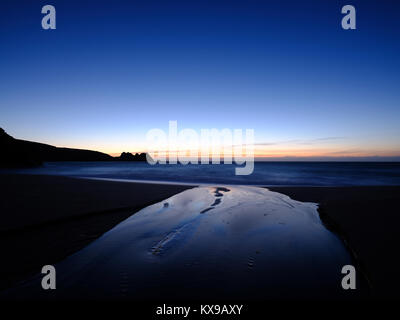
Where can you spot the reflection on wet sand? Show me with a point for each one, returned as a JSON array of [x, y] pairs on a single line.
[[210, 242]]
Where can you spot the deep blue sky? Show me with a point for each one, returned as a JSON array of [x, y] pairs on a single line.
[[114, 69]]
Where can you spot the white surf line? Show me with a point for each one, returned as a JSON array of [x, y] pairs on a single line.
[[147, 181], [208, 184]]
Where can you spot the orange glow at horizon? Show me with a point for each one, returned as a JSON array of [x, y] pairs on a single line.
[[299, 153]]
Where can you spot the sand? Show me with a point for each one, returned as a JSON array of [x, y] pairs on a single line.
[[233, 243], [368, 219], [46, 218]]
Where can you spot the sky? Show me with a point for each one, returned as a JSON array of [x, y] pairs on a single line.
[[113, 70]]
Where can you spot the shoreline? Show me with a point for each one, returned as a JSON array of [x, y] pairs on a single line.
[[365, 219], [47, 218], [332, 226]]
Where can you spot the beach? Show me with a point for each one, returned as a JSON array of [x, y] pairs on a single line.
[[47, 218], [367, 219]]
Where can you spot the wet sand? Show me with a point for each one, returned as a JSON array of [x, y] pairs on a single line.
[[368, 219], [47, 218], [230, 243]]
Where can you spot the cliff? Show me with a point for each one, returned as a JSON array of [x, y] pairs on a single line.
[[21, 153]]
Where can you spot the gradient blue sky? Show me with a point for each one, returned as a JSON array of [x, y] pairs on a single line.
[[112, 70]]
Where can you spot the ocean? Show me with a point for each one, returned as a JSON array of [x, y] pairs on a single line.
[[265, 173]]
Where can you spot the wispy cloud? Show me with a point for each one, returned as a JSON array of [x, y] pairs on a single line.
[[299, 141], [329, 138], [352, 151]]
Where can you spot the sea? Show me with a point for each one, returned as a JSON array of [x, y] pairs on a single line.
[[264, 174]]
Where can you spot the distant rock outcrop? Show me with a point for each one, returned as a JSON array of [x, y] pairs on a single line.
[[127, 156], [21, 153]]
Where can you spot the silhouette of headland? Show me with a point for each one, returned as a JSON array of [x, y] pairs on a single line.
[[21, 153]]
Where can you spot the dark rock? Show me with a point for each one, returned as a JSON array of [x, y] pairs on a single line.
[[21, 153], [127, 156]]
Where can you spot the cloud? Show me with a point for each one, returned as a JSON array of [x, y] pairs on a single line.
[[299, 141], [376, 158], [351, 151], [329, 138]]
